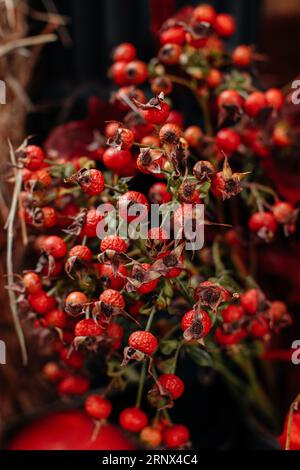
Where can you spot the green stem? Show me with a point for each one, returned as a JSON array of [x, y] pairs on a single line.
[[141, 384], [220, 268], [150, 318], [176, 357]]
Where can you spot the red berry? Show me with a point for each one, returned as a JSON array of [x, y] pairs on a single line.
[[169, 134], [143, 341], [73, 385], [157, 115], [232, 313], [254, 103], [136, 72], [52, 372], [109, 279], [274, 98], [250, 301], [158, 194], [76, 298], [189, 318], [75, 359], [263, 221], [56, 318], [41, 178], [242, 56], [230, 98], [82, 252], [115, 333], [228, 140], [175, 35], [173, 384], [113, 242], [204, 13], [33, 158], [151, 436], [93, 182], [88, 327], [259, 327], [228, 339], [193, 135], [283, 211], [98, 407], [41, 302], [113, 297], [176, 436], [214, 78], [146, 286], [92, 218], [32, 283], [133, 419], [55, 246], [224, 25], [49, 217], [116, 159], [124, 52], [118, 72], [169, 54], [127, 200], [175, 117]]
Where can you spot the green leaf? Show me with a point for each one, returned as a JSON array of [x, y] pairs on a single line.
[[200, 356]]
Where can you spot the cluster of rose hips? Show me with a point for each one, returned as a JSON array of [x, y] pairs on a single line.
[[91, 297]]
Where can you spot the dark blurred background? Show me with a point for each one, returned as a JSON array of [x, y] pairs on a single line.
[[70, 71]]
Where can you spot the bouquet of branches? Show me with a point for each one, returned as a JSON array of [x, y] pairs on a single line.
[[122, 299]]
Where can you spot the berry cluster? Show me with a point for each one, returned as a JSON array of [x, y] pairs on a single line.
[[149, 304]]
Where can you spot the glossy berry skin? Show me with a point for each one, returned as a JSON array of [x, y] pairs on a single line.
[[283, 211], [82, 252], [116, 159], [112, 297], [91, 221], [214, 78], [98, 407], [56, 318], [259, 327], [173, 384], [73, 385], [157, 115], [189, 317], [232, 313], [228, 339], [124, 52], [204, 13], [106, 274], [193, 135], [242, 56], [118, 72], [262, 220], [274, 98], [76, 297], [49, 217], [136, 72], [176, 436], [228, 140], [224, 25], [34, 157], [130, 198], [254, 103], [113, 242], [175, 35], [88, 327], [95, 183], [143, 341], [230, 98], [32, 283], [158, 194], [151, 436], [169, 54], [41, 302], [250, 301], [55, 246], [133, 419]]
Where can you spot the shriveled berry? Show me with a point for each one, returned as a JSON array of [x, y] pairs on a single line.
[[88, 327], [93, 182], [92, 218], [82, 252], [112, 297], [173, 384], [143, 341], [113, 242]]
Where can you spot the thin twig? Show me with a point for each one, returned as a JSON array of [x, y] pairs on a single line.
[[9, 260], [25, 42]]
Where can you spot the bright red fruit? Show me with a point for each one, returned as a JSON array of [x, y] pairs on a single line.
[[98, 407], [73, 385], [250, 301], [129, 199], [109, 279], [232, 313], [176, 436], [175, 35], [242, 56], [274, 98], [113, 242], [143, 341], [224, 25], [173, 384], [259, 327], [157, 115], [254, 103], [263, 221], [41, 302], [124, 52], [32, 283], [205, 13], [228, 140], [133, 419], [93, 182], [88, 327], [33, 158], [55, 246], [116, 159], [82, 252], [113, 297], [189, 318], [92, 218], [228, 339], [56, 318]]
